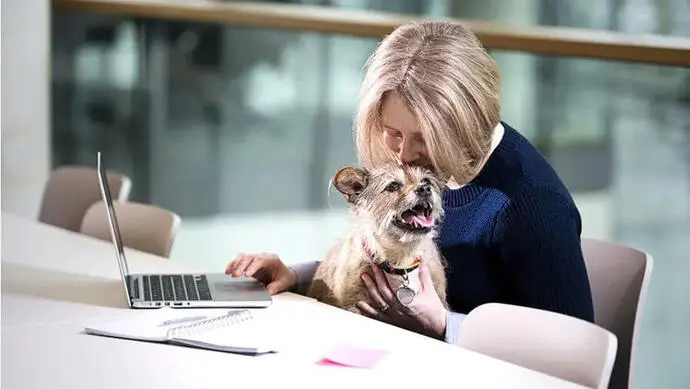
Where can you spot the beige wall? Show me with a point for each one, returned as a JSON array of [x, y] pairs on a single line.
[[25, 104]]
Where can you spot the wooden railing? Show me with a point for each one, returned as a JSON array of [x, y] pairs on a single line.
[[557, 41]]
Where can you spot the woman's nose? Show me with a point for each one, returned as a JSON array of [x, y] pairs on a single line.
[[407, 153]]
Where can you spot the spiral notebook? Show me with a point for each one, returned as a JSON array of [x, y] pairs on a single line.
[[236, 331]]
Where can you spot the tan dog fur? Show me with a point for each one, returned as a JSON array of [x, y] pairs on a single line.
[[376, 198]]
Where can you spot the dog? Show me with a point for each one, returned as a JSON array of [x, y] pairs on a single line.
[[395, 211]]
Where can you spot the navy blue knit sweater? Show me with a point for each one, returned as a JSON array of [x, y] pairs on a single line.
[[512, 235]]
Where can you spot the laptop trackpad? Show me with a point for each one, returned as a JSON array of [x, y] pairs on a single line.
[[239, 289]]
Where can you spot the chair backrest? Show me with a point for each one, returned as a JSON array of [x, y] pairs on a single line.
[[143, 227], [619, 276], [552, 343], [71, 190]]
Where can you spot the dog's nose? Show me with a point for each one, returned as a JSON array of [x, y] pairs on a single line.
[[424, 190]]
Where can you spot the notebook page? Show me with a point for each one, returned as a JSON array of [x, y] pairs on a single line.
[[256, 335], [151, 325]]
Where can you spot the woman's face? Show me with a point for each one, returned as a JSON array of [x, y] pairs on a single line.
[[401, 132]]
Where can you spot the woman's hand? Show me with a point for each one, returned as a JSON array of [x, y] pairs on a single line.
[[425, 314], [265, 267]]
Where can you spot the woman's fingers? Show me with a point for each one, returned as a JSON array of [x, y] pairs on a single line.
[[374, 291], [241, 264], [367, 310], [233, 264], [425, 281], [254, 266], [383, 285]]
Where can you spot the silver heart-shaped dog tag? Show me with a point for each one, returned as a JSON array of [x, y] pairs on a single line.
[[405, 295]]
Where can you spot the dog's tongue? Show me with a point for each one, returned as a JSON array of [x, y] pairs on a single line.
[[424, 221]]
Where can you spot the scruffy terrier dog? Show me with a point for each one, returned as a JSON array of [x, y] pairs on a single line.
[[395, 211]]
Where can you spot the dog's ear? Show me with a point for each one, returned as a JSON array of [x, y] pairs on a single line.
[[351, 181]]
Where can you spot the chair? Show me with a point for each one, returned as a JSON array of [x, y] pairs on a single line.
[[552, 343], [71, 190], [619, 277], [143, 227]]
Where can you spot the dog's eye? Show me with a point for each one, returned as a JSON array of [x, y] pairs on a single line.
[[393, 186], [426, 181]]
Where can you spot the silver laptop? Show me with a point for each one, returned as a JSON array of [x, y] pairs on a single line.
[[193, 290]]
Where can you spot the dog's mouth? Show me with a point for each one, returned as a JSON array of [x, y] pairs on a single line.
[[416, 219]]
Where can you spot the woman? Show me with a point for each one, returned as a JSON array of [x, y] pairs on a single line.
[[511, 232]]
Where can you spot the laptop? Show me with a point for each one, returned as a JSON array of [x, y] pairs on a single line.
[[191, 290]]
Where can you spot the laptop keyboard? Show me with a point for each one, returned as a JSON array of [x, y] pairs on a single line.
[[179, 287]]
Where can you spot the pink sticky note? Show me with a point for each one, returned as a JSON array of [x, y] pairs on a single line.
[[343, 355]]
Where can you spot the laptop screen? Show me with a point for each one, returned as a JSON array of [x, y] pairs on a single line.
[[112, 221]]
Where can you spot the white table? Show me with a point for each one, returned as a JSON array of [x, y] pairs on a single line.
[[55, 281]]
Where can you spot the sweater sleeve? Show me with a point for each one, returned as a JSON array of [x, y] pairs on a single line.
[[305, 273], [539, 236], [453, 325]]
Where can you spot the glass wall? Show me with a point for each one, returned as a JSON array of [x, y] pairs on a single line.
[[664, 17], [239, 131]]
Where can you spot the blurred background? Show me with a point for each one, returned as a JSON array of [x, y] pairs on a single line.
[[237, 126]]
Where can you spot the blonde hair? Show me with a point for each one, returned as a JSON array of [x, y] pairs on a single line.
[[449, 83]]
